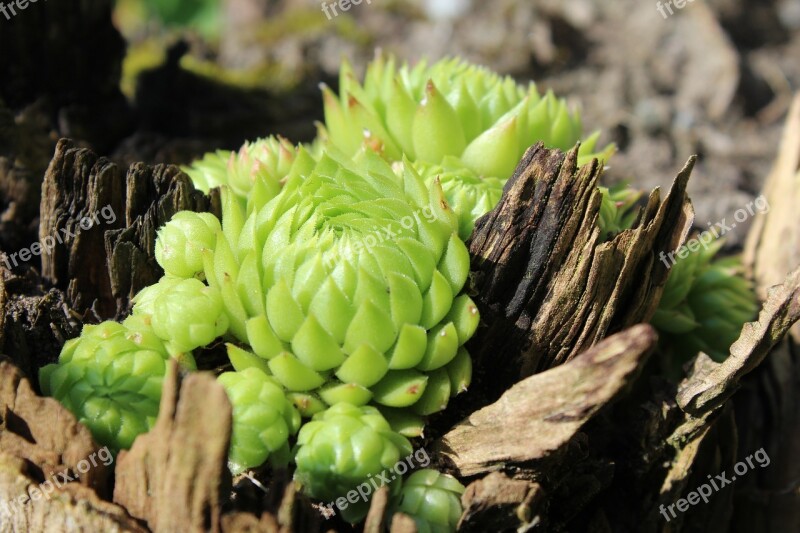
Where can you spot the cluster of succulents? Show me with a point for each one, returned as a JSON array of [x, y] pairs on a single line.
[[457, 122], [337, 278], [342, 289], [705, 304]]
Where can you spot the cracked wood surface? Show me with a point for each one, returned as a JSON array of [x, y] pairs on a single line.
[[538, 416], [547, 286], [175, 478], [105, 264]]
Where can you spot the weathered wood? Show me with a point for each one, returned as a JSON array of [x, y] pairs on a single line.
[[44, 433], [536, 418], [378, 510], [497, 502], [105, 225], [34, 322], [547, 286], [74, 508], [175, 478], [768, 407]]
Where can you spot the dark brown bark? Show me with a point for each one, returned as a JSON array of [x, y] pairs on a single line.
[[101, 267], [547, 286]]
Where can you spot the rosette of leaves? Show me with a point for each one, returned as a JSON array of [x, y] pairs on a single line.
[[180, 243], [432, 499], [185, 313], [462, 117], [257, 170], [349, 285], [705, 304], [110, 378], [343, 447], [263, 419]]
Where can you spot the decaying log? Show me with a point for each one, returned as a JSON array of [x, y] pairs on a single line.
[[768, 410], [659, 439], [175, 478], [536, 418], [547, 285], [51, 471], [105, 223], [34, 322]]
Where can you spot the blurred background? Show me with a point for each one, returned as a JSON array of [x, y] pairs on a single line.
[[163, 81]]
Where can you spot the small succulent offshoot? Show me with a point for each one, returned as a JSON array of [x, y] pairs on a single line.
[[342, 447], [264, 419], [180, 243], [258, 167], [705, 304], [432, 499], [110, 378]]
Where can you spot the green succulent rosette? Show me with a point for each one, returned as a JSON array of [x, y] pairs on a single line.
[[110, 378], [705, 304], [263, 419], [344, 447], [349, 284], [254, 173], [180, 243], [432, 499], [463, 117], [185, 313]]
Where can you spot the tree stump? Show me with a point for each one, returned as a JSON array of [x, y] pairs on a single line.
[[568, 425]]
